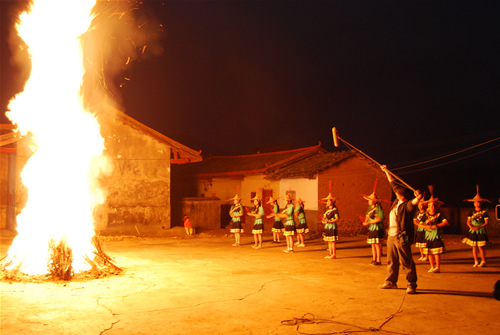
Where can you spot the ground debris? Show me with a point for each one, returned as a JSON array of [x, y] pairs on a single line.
[[102, 265], [20, 277]]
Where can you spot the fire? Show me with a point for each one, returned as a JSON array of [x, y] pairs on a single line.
[[60, 176]]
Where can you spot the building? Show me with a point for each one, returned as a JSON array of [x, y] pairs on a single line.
[[306, 173], [138, 188]]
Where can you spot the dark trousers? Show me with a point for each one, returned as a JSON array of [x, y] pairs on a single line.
[[400, 255]]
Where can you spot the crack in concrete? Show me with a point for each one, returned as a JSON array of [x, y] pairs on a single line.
[[118, 320], [258, 291], [115, 315], [262, 287]]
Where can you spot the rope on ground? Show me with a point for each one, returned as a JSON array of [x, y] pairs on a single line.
[[404, 297], [310, 319], [393, 314]]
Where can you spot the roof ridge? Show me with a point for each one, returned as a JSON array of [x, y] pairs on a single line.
[[291, 158], [270, 153], [110, 111]]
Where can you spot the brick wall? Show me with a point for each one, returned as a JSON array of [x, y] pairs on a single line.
[[350, 178]]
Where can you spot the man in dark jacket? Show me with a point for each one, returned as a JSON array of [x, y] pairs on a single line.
[[400, 237]]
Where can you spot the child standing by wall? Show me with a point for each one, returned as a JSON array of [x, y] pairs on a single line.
[[477, 220], [330, 220], [236, 212], [187, 225], [258, 226], [302, 227]]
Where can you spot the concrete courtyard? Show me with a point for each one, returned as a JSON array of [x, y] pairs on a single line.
[[203, 285]]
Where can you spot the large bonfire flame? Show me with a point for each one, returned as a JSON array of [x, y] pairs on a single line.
[[61, 176]]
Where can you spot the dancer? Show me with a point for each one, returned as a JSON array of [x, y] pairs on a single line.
[[330, 220], [420, 234], [277, 225], [236, 212], [374, 220], [289, 230], [433, 225], [258, 226], [400, 237], [302, 227], [477, 220]]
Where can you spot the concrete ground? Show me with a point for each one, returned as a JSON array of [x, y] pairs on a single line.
[[178, 285]]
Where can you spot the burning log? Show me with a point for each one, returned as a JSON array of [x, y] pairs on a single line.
[[102, 263], [60, 260], [59, 265]]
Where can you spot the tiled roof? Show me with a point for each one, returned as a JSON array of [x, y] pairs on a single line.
[[308, 167], [227, 166], [182, 154]]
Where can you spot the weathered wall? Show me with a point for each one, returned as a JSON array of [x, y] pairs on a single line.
[[5, 163], [305, 189], [350, 178], [253, 184], [138, 189], [204, 213], [24, 151], [4, 190], [223, 188]]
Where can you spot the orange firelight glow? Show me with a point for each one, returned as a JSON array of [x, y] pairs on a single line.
[[60, 176]]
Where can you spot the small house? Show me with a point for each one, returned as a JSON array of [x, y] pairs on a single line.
[[309, 173]]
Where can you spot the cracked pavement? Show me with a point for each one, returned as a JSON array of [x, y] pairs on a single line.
[[177, 285]]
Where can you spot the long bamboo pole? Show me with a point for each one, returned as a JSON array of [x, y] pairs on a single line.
[[336, 137]]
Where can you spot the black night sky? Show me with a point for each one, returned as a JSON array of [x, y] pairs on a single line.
[[403, 81]]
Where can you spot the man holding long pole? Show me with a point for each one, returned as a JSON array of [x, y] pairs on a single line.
[[401, 230], [401, 236]]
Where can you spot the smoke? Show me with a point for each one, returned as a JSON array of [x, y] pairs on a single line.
[[19, 55], [121, 34]]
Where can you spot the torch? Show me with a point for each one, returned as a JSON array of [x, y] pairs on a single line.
[[336, 139]]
